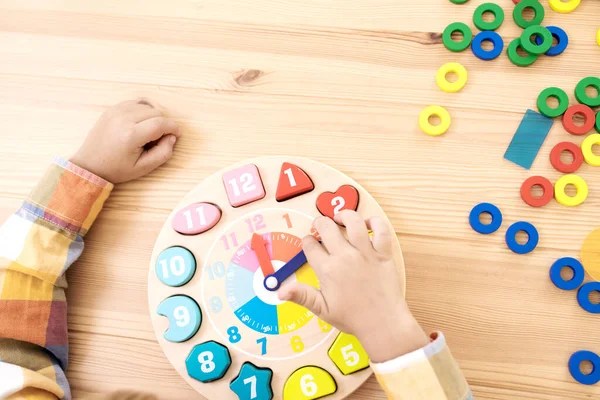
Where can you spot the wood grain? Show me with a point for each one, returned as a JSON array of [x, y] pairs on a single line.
[[338, 81]]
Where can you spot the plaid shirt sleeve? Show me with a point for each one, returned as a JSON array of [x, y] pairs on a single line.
[[37, 245], [430, 373]]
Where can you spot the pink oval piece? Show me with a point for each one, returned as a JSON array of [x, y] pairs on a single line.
[[196, 218]]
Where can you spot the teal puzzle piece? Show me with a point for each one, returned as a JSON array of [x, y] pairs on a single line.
[[253, 383], [528, 139], [208, 362]]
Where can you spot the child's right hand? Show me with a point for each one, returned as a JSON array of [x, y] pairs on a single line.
[[360, 289], [129, 140]]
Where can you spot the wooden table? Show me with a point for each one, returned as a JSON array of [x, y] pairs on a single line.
[[338, 81]]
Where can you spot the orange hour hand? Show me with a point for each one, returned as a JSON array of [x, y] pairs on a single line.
[[259, 246]]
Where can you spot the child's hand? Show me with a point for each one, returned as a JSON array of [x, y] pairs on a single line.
[[129, 140], [360, 287]]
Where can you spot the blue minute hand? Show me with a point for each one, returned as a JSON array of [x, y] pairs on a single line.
[[274, 281]]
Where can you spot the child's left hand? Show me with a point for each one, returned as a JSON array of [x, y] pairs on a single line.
[[129, 140]]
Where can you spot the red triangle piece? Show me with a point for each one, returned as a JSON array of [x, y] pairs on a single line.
[[293, 181]]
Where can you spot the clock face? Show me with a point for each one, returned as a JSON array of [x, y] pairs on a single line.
[[226, 251], [264, 326]]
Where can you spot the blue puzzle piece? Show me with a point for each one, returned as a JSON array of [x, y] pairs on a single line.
[[253, 383], [208, 362], [528, 139], [184, 317]]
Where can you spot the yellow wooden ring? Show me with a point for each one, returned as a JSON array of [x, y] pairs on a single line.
[[451, 87], [586, 149], [564, 8], [598, 37], [434, 130], [565, 199]]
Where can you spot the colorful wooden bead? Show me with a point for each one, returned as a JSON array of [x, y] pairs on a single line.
[[452, 67], [532, 46], [293, 182], [538, 16], [590, 256], [582, 96], [458, 1], [348, 354], [434, 111], [175, 266], [208, 362], [562, 41], [253, 383], [184, 317], [575, 367], [564, 7], [587, 149], [598, 37], [589, 119], [467, 36], [511, 237], [492, 8], [487, 55], [308, 383], [547, 191], [563, 198], [345, 198], [528, 139], [516, 58], [478, 226], [243, 185], [583, 297], [196, 218], [598, 121], [559, 165], [575, 266], [559, 95]]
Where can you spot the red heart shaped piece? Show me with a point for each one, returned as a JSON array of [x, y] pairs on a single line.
[[345, 198]]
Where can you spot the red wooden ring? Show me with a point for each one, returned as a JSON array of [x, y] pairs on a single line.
[[547, 187], [588, 115], [561, 166]]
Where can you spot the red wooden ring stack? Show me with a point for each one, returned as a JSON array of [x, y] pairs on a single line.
[[561, 166], [546, 186], [588, 115]]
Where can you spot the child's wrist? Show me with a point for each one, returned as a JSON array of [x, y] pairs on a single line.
[[394, 338]]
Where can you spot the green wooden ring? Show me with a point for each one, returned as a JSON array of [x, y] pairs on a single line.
[[458, 1], [598, 121], [532, 47], [457, 27], [538, 9], [483, 25], [582, 96], [516, 58], [558, 94]]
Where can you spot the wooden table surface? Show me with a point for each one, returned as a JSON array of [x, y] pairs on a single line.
[[338, 81]]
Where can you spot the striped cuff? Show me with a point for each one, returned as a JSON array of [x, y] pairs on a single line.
[[68, 196], [427, 373]]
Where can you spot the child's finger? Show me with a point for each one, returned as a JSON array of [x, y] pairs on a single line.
[[331, 235], [153, 129], [157, 155], [142, 112], [382, 237], [356, 229], [305, 296], [315, 253]]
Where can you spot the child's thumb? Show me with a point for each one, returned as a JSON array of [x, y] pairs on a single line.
[[305, 296]]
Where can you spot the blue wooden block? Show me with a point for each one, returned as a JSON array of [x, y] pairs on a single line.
[[253, 383], [184, 317], [528, 139], [208, 362], [175, 266]]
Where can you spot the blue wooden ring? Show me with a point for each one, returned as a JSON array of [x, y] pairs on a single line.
[[583, 298], [575, 266], [562, 40], [485, 208], [487, 55], [511, 237], [574, 367]]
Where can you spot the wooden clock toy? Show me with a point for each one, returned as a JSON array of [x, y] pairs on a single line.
[[217, 265]]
